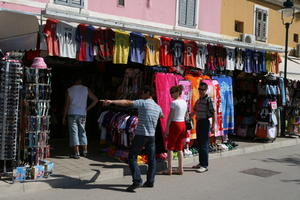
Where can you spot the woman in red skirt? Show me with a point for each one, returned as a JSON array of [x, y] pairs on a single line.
[[176, 129]]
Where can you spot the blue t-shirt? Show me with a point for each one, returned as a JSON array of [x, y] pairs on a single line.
[[148, 113], [137, 47], [248, 61]]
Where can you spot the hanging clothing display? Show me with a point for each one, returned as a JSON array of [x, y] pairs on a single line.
[[272, 61], [66, 35], [163, 83], [201, 56], [248, 61], [152, 51], [121, 47], [195, 80], [137, 47], [177, 47], [190, 52], [84, 36], [165, 53], [230, 59], [117, 127], [226, 92], [51, 37], [221, 57], [103, 44]]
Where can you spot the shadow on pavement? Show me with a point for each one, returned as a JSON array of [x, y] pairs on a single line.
[[292, 161], [297, 181], [66, 182]]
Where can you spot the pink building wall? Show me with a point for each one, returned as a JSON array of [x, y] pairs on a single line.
[[210, 16], [18, 7], [159, 11]]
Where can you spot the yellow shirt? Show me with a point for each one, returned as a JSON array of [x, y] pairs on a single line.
[[268, 61], [121, 47], [152, 51]]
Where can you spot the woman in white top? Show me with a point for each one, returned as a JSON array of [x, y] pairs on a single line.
[[176, 129]]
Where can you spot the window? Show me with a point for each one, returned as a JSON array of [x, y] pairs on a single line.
[[239, 26], [187, 13], [121, 3], [261, 19], [296, 38], [72, 3]]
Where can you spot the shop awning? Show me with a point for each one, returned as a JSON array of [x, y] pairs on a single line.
[[293, 68], [86, 19], [18, 31]]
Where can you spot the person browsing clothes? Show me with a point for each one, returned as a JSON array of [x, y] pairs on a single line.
[[75, 111], [148, 114], [176, 129], [204, 110]]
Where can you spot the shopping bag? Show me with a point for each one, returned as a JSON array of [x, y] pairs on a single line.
[[189, 123], [261, 130]]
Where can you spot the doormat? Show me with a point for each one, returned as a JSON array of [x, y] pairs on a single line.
[[260, 172]]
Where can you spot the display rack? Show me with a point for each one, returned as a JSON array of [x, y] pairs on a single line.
[[11, 82], [35, 112]]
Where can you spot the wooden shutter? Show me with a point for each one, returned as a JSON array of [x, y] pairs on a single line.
[[77, 3], [63, 2], [261, 24], [191, 13], [182, 12], [73, 3], [264, 25]]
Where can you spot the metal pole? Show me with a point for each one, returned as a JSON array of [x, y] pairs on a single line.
[[287, 25]]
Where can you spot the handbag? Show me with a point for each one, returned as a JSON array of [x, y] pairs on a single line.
[[189, 124]]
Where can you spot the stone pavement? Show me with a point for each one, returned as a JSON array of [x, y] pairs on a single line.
[[96, 168]]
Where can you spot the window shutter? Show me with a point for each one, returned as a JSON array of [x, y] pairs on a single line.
[[182, 12], [261, 25], [73, 3], [77, 3], [63, 2], [191, 13], [264, 25], [258, 21]]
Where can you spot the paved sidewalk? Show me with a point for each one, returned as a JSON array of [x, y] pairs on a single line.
[[98, 168]]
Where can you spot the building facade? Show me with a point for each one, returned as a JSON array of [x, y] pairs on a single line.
[[220, 19]]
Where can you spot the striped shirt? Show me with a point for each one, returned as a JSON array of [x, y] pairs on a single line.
[[148, 112], [204, 108]]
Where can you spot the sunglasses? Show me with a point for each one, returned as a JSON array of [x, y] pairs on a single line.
[[172, 92], [201, 89]]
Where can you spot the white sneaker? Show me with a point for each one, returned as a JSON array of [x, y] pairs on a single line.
[[202, 169]]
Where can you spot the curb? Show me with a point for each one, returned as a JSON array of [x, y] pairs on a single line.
[[61, 181]]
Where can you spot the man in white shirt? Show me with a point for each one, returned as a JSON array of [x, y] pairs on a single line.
[[76, 109]]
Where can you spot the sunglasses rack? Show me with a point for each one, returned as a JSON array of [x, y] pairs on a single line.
[[35, 115], [11, 73]]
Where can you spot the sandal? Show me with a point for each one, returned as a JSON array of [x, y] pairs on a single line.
[[178, 172], [166, 172], [196, 166]]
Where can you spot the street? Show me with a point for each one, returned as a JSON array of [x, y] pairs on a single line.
[[273, 174]]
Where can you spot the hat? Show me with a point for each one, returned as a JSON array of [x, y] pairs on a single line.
[[38, 62]]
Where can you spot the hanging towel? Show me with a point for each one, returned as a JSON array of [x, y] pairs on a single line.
[[225, 83], [163, 83]]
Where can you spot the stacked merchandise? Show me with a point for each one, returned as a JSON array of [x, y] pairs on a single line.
[[36, 119], [245, 106], [269, 93], [10, 80], [293, 109]]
